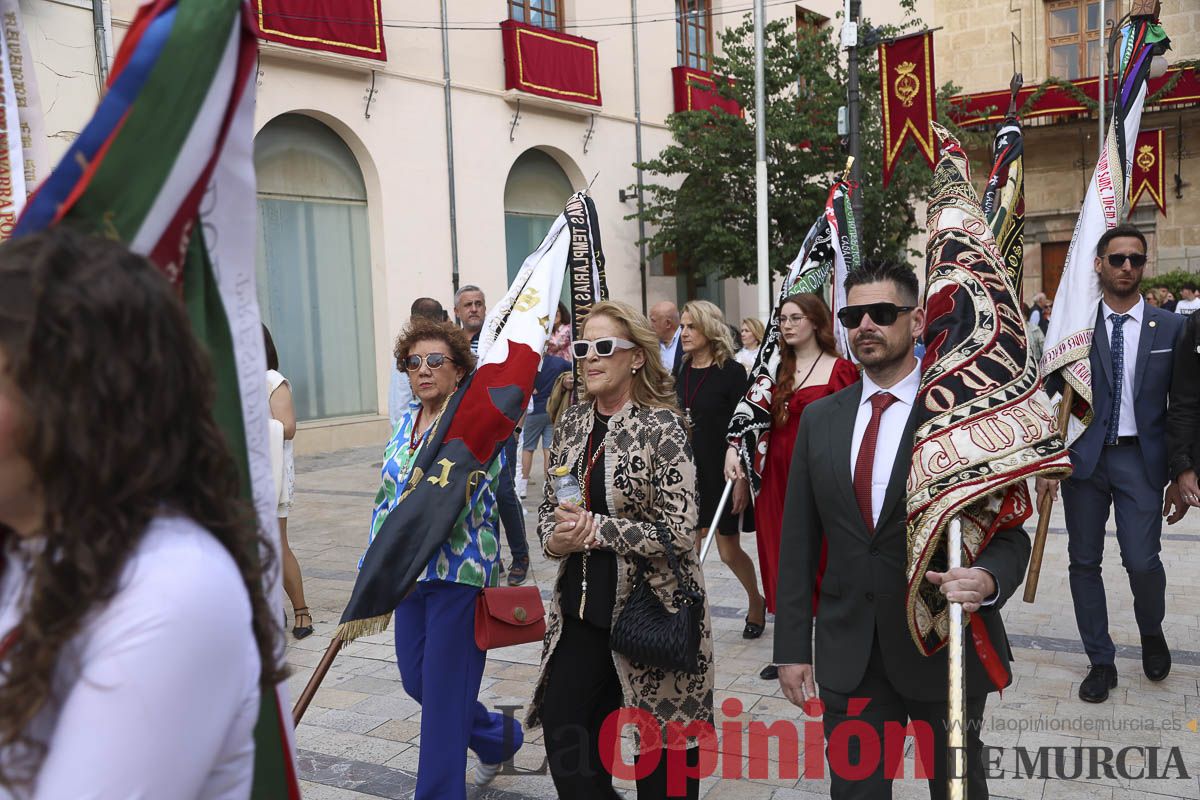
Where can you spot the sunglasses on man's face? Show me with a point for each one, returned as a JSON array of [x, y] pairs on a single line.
[[881, 314], [434, 360], [1117, 260], [604, 347]]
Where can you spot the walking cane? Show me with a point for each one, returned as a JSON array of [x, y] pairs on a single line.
[[957, 757], [314, 683], [712, 529], [1047, 503]]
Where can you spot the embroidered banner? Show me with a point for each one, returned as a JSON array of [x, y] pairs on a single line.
[[696, 90], [909, 98], [984, 424], [1004, 198], [551, 64], [348, 27], [1148, 170]]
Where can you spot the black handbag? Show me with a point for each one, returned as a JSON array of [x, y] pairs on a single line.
[[647, 632]]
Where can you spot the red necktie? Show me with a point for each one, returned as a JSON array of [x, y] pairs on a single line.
[[864, 465]]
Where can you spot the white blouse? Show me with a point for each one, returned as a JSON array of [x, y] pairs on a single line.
[[158, 695]]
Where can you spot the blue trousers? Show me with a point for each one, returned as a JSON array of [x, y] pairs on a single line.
[[438, 659], [512, 517], [1119, 481]]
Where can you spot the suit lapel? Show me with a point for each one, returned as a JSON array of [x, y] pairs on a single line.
[[1145, 344], [898, 482], [1100, 340], [841, 440]]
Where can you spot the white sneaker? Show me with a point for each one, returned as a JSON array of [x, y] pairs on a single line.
[[485, 773], [522, 486]]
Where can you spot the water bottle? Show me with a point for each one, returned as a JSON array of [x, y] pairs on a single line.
[[566, 487]]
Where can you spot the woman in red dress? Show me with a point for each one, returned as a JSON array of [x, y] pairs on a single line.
[[809, 369]]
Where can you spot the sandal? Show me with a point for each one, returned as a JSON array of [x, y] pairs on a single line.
[[753, 630], [300, 631]]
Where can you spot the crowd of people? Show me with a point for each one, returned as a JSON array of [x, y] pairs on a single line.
[[100, 579]]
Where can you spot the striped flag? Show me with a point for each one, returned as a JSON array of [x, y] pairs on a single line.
[[166, 166], [478, 418], [1069, 337], [809, 272]]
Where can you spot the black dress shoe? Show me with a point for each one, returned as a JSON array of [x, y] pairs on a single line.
[[769, 673], [1156, 657], [1100, 678]]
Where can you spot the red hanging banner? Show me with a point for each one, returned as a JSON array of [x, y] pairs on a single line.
[[348, 27], [909, 98], [696, 90], [551, 64], [1148, 170]]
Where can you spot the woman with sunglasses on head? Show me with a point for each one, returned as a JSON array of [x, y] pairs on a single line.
[[136, 638], [809, 369], [435, 624], [633, 533], [709, 386]]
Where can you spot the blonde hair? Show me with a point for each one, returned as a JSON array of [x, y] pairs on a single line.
[[709, 320], [652, 384], [756, 327]]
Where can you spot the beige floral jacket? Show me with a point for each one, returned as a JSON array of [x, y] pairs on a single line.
[[651, 480]]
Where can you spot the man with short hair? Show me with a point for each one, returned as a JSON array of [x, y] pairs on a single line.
[[664, 318], [470, 308], [847, 486], [1120, 461], [400, 388], [1190, 302]]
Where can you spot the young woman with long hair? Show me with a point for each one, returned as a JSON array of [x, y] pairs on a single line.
[[809, 369], [135, 635]]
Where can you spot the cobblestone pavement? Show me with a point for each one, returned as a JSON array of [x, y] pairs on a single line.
[[361, 736]]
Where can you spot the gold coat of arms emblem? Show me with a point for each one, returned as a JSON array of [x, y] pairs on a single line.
[[907, 85], [1145, 157]]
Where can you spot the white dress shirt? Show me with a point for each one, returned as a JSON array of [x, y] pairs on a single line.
[[1132, 330], [668, 351], [891, 431]]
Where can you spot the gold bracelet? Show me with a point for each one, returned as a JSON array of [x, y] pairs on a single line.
[[546, 549]]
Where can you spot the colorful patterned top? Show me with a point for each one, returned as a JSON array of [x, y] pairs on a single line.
[[469, 556]]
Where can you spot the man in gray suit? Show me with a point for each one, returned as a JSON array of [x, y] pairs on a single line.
[[847, 481], [1120, 461]]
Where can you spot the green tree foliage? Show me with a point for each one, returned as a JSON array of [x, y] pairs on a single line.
[[700, 190]]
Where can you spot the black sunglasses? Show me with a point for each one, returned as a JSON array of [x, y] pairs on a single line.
[[1117, 260], [881, 313], [434, 360]]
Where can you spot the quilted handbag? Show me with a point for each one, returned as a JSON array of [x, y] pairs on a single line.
[[508, 615], [647, 632]]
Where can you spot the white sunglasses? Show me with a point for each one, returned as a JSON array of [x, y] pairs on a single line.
[[603, 347]]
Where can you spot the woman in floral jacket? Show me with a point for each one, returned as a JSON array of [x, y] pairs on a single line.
[[630, 453]]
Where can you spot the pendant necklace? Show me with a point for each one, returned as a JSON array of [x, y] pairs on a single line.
[[585, 488], [688, 399]]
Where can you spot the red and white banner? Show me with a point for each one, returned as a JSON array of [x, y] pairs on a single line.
[[22, 132], [908, 98], [1148, 172]]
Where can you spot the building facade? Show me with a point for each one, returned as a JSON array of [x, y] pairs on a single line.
[[978, 47]]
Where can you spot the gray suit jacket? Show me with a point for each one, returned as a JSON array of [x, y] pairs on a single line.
[[863, 589]]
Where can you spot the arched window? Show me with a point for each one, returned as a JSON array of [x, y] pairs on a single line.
[[314, 266], [534, 196]]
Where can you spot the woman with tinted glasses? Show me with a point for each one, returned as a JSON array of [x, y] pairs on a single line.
[[435, 624], [709, 386], [809, 369], [627, 448]]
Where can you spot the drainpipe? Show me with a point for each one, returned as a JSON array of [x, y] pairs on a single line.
[[102, 34], [637, 128], [450, 149]]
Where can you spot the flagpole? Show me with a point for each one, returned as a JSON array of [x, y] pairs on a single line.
[[712, 529], [956, 720], [760, 165], [1047, 504], [314, 683]]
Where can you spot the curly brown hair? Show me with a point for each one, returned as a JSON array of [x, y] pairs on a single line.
[[101, 360], [420, 329], [818, 314]]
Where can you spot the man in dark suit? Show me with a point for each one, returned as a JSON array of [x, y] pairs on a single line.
[[848, 477], [1120, 461]]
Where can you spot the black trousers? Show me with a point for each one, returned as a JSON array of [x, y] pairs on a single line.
[[582, 689], [889, 706]]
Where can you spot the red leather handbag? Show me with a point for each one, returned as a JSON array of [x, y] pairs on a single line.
[[509, 615]]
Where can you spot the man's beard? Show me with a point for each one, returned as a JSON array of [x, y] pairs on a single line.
[[883, 355]]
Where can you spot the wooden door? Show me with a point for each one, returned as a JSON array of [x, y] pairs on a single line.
[[1054, 257]]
